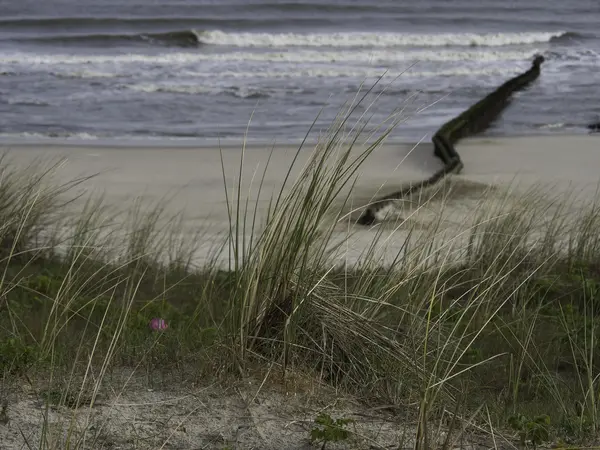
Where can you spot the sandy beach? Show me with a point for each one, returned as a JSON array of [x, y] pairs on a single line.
[[191, 177]]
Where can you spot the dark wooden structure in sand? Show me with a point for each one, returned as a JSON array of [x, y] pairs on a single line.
[[469, 123]]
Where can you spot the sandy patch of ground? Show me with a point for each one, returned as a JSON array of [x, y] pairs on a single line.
[[242, 415]]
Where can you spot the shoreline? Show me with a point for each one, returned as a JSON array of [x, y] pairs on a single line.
[[201, 142]]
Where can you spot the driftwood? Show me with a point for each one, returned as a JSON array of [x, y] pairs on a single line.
[[471, 122]]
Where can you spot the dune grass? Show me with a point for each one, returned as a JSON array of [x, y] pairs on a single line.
[[494, 330]]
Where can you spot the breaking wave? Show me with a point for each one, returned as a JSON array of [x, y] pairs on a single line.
[[299, 56], [193, 38], [367, 39]]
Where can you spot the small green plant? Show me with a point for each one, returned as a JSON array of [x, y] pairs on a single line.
[[326, 429], [534, 430], [561, 445], [15, 356]]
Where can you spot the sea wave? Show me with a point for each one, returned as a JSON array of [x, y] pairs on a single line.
[[86, 74], [304, 72], [369, 56], [194, 37], [184, 38], [374, 56], [361, 56], [67, 135], [150, 88], [552, 125], [367, 72], [246, 92], [119, 139], [568, 37], [367, 39], [26, 101], [254, 92]]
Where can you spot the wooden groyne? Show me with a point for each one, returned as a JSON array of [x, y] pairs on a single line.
[[469, 123]]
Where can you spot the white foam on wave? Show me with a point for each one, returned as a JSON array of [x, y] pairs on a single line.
[[385, 56], [370, 56], [50, 135], [553, 125], [316, 72], [297, 56], [365, 39], [195, 89], [209, 86], [150, 88], [310, 64], [86, 74], [27, 101]]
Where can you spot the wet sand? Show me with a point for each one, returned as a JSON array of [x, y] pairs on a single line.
[[192, 177]]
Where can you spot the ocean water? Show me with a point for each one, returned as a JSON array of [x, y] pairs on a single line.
[[189, 69]]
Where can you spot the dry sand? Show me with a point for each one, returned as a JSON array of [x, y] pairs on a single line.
[[191, 177]]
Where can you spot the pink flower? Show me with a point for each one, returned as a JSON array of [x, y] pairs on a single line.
[[157, 324]]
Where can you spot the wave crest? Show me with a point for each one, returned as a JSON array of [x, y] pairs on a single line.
[[190, 38], [375, 39], [185, 39]]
